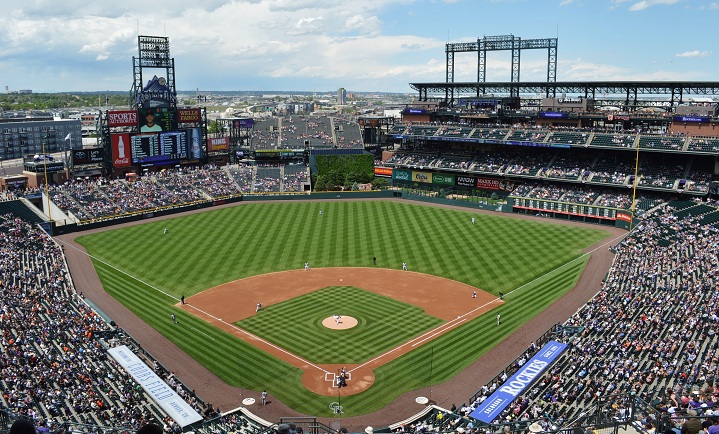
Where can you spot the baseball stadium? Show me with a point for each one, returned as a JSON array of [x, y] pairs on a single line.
[[477, 266]]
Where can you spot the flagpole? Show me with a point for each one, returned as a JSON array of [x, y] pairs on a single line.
[[68, 137]]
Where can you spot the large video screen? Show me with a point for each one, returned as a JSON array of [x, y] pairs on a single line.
[[156, 119], [162, 148]]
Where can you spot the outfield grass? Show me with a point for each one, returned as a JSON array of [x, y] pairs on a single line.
[[383, 323], [203, 250]]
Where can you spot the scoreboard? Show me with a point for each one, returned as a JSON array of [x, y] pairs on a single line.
[[159, 148]]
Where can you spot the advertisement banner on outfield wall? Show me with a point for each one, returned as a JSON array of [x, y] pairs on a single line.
[[160, 392], [624, 216], [401, 175], [425, 177], [465, 181], [385, 172], [494, 184], [442, 179], [519, 382]]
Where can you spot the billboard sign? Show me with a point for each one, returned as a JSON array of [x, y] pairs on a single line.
[[243, 123], [465, 181], [442, 179], [217, 144], [194, 136], [124, 118], [553, 115], [518, 383], [88, 156], [385, 172], [691, 119], [494, 184], [425, 177], [189, 115], [401, 175], [624, 216], [121, 150]]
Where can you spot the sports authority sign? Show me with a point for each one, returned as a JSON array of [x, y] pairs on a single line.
[[124, 118], [518, 383]]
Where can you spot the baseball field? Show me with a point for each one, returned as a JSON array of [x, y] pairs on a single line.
[[413, 328]]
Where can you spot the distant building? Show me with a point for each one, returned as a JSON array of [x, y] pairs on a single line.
[[341, 96], [20, 137]]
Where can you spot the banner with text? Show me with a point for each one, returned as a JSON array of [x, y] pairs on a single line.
[[124, 118], [218, 144], [422, 177], [465, 181], [442, 179], [121, 150], [189, 115], [518, 383], [385, 172], [401, 175], [159, 391]]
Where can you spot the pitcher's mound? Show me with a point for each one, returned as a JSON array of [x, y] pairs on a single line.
[[344, 322]]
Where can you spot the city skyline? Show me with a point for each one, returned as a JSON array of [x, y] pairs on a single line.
[[370, 46]]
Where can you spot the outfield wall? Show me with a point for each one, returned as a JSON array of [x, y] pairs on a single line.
[[574, 212], [148, 214]]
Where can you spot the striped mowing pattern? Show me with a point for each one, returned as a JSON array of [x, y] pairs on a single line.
[[296, 325], [204, 250]]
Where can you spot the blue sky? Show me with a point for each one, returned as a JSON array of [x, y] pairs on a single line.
[[362, 45]]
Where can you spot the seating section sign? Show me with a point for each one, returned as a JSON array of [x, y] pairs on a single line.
[[159, 391], [518, 383]]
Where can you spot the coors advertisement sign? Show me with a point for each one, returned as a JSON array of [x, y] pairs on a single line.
[[125, 118], [121, 151]]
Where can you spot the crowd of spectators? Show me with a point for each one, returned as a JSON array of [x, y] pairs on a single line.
[[98, 198], [54, 366], [651, 330], [587, 166]]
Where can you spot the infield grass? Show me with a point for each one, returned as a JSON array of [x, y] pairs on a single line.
[[383, 323], [148, 271]]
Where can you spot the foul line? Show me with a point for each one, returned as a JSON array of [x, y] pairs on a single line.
[[419, 340], [197, 309]]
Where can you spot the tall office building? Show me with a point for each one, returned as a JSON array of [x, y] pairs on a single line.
[[341, 96]]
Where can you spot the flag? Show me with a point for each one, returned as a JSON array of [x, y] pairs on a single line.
[[67, 137]]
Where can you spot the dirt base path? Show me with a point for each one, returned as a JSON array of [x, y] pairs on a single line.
[[443, 298], [457, 390]]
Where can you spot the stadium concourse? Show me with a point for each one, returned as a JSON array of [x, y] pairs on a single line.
[[651, 329]]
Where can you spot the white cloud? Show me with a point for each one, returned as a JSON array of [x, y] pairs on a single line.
[[694, 53], [645, 4]]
